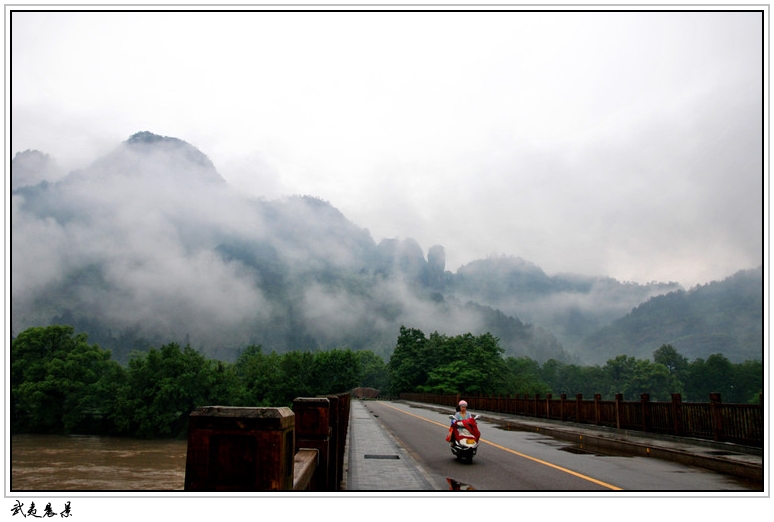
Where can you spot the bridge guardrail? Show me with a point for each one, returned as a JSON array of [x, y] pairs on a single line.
[[713, 420], [268, 449]]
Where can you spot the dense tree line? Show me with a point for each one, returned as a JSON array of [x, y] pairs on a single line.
[[475, 366], [62, 384], [669, 372]]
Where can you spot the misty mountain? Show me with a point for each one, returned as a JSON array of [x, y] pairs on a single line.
[[149, 244], [570, 306], [720, 317], [31, 167]]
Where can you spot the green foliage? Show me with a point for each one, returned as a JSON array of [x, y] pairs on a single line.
[[633, 377], [295, 372], [674, 362], [572, 379], [407, 368], [374, 370], [523, 376], [163, 386], [62, 384], [746, 383], [53, 377], [275, 380], [708, 376], [466, 364], [441, 364], [460, 365], [669, 373], [260, 377], [336, 371]]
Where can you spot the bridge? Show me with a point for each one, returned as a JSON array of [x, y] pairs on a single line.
[[340, 442]]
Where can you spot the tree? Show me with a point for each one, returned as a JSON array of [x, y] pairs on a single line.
[[632, 377], [746, 382], [715, 375], [483, 357], [296, 374], [260, 377], [572, 379], [163, 386], [674, 362], [523, 376], [406, 367], [440, 364], [53, 374], [551, 373], [374, 370], [456, 377], [336, 371]]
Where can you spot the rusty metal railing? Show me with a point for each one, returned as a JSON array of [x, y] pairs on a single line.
[[713, 420]]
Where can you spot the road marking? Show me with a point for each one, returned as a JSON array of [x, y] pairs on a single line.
[[559, 468]]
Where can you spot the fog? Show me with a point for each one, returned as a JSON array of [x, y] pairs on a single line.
[[621, 144], [150, 239], [150, 242], [136, 233]]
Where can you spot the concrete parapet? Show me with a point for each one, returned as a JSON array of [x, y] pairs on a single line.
[[313, 430], [240, 449]]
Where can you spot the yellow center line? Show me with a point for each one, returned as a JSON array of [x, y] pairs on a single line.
[[560, 468]]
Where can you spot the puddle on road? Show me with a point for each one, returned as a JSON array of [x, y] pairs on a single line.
[[562, 445], [579, 449]]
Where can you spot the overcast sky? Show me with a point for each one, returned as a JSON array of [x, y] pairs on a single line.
[[619, 144]]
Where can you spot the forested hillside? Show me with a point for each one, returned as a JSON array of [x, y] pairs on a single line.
[[719, 317], [570, 306]]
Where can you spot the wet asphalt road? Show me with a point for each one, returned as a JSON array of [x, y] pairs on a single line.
[[526, 461]]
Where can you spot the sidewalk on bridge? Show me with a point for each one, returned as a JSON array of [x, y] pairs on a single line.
[[376, 461]]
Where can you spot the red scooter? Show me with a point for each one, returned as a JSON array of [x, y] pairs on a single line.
[[465, 437]]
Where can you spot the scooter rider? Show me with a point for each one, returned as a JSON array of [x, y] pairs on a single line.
[[461, 414]]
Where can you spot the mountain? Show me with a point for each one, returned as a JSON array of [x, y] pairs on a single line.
[[31, 167], [149, 245], [720, 317], [572, 307]]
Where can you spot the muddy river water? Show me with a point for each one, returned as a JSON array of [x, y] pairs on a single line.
[[89, 463]]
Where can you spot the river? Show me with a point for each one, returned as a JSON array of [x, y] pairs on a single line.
[[90, 463]]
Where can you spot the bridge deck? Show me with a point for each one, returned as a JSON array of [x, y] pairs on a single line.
[[377, 463]]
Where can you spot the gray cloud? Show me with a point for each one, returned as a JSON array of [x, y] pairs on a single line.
[[621, 144]]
